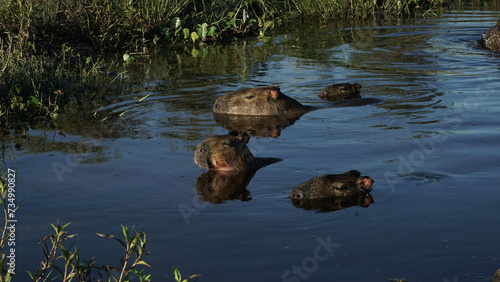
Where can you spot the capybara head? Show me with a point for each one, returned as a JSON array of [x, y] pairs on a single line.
[[491, 38], [333, 186], [224, 152], [257, 101], [340, 92]]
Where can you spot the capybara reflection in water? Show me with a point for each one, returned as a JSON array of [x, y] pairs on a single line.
[[229, 153], [271, 101], [264, 126], [334, 204], [333, 186], [220, 186], [491, 38]]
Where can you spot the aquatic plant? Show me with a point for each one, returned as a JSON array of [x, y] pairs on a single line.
[[74, 267], [64, 262], [178, 277]]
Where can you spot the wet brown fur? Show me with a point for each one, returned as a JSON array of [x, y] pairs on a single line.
[[259, 101], [228, 153], [340, 91], [270, 101], [491, 38]]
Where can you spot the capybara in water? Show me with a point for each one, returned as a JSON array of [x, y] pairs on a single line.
[[271, 101], [228, 153], [332, 186], [340, 91], [259, 101], [491, 38], [496, 278]]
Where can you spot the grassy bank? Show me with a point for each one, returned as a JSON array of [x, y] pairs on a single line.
[[50, 50]]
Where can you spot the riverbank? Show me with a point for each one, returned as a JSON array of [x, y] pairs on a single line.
[[50, 51]]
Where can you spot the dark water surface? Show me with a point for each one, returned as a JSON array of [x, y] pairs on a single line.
[[432, 147]]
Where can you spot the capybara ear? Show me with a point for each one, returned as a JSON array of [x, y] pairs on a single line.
[[353, 173], [232, 133], [357, 86], [367, 182], [273, 93], [245, 137]]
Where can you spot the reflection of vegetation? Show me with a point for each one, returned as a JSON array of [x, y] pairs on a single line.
[[83, 152]]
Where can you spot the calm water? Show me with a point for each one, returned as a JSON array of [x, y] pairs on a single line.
[[432, 148]]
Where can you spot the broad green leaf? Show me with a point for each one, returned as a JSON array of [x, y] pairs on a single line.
[[211, 31], [33, 101], [194, 36], [202, 31], [186, 33]]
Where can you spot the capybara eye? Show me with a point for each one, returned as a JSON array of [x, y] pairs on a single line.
[[249, 97], [201, 150], [298, 196], [339, 186]]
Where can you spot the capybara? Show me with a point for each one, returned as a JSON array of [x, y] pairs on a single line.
[[340, 91], [228, 153], [496, 278], [259, 101], [271, 101], [491, 38], [333, 186]]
